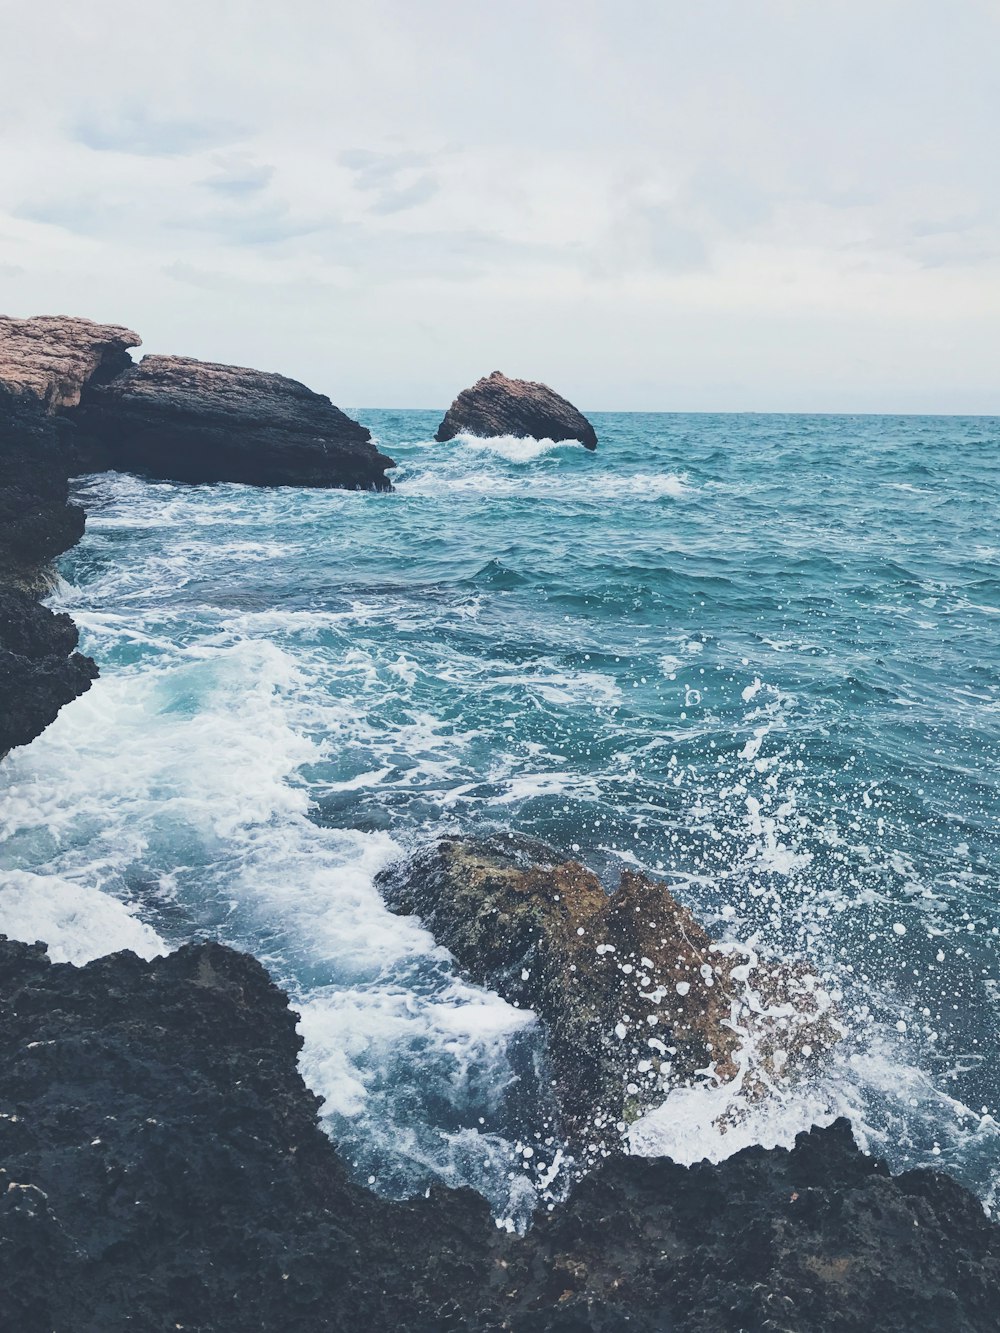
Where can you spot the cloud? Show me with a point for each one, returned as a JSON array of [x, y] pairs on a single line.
[[238, 174], [718, 206], [409, 196], [138, 131]]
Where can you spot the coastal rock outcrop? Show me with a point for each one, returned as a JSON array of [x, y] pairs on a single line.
[[47, 361], [72, 401], [497, 405], [188, 420], [162, 1166], [634, 994], [40, 670]]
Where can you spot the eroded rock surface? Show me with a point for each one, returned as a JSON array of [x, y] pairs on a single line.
[[48, 360], [161, 1166], [187, 420], [497, 405], [40, 670], [634, 994]]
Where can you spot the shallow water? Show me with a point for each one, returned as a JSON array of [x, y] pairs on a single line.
[[757, 655]]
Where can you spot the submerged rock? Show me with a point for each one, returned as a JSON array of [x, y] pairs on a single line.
[[161, 1166], [634, 994], [187, 420], [47, 361], [496, 405]]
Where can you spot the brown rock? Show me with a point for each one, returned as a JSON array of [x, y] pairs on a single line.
[[634, 994], [497, 405], [47, 361]]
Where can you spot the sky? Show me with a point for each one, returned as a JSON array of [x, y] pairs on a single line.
[[715, 205]]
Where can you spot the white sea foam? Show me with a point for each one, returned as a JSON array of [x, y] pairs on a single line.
[[179, 778], [76, 922], [515, 448]]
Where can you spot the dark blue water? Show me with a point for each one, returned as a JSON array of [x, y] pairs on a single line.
[[758, 655]]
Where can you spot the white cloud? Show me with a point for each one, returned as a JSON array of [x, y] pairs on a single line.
[[740, 204]]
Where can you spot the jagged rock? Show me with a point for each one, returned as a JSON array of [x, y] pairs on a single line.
[[162, 1167], [188, 420], [634, 994], [48, 360], [496, 405], [39, 669], [37, 522]]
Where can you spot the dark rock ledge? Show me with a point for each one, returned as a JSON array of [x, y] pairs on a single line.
[[496, 405], [71, 401], [162, 1168]]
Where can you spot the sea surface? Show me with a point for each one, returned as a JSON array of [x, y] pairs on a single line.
[[756, 655]]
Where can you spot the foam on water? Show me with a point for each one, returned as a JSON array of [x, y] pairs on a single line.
[[77, 923], [784, 705]]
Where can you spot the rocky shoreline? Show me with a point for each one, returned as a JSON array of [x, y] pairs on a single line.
[[163, 1168], [72, 401], [163, 1162]]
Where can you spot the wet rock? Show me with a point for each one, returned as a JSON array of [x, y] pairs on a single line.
[[47, 361], [37, 522], [162, 1166], [195, 421], [39, 669], [496, 405], [635, 996]]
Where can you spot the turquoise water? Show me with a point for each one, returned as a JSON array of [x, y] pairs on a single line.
[[758, 655]]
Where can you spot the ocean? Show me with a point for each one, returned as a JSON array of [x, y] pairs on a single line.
[[757, 656]]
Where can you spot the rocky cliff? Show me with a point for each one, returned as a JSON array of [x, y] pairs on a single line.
[[40, 670], [496, 405], [188, 420], [162, 1168], [71, 400]]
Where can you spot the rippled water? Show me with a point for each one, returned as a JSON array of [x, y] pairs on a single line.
[[757, 655]]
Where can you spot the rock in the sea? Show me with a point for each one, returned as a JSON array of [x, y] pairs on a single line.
[[634, 994], [47, 361], [161, 1167], [496, 405], [188, 420]]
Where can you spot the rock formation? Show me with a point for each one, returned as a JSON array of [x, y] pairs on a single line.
[[162, 1167], [496, 405], [72, 401], [47, 361], [39, 668], [632, 991], [187, 420]]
